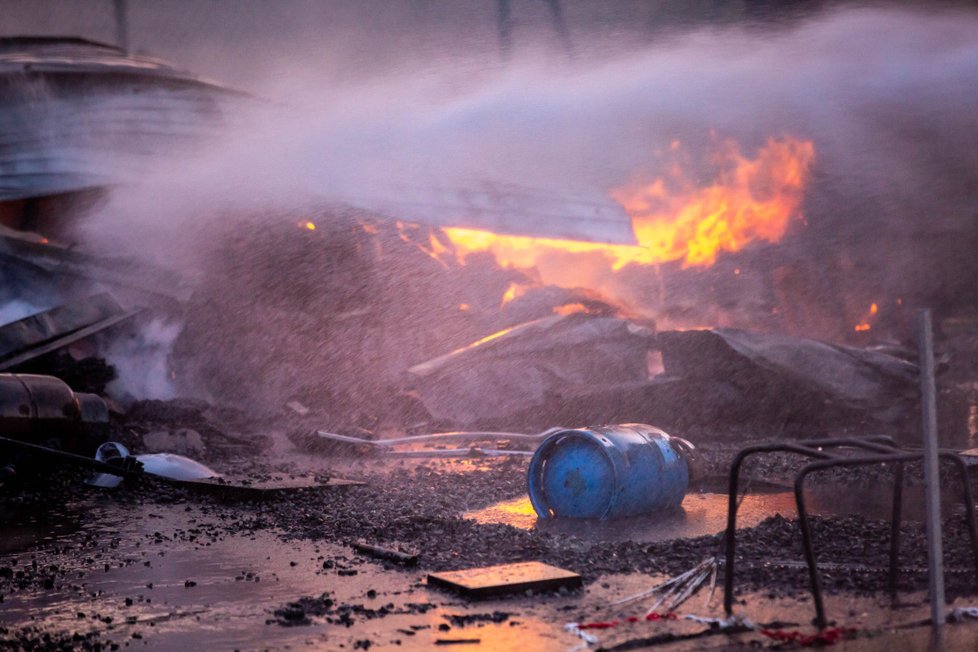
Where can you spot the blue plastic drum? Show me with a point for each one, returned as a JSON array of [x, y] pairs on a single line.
[[608, 472]]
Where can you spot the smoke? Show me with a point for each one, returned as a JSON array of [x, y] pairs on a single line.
[[142, 362], [886, 95]]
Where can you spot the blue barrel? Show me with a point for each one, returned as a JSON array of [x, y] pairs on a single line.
[[608, 472]]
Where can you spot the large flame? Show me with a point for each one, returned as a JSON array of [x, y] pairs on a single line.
[[674, 219]]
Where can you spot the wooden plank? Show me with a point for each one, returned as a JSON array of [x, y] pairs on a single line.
[[505, 579]]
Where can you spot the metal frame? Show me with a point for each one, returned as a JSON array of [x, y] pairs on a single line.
[[870, 450]]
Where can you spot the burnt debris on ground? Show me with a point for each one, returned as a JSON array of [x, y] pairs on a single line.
[[304, 354]]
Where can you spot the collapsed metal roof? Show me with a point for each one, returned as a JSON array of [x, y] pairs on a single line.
[[77, 114], [77, 56]]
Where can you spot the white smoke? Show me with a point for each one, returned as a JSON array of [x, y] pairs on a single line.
[[887, 95], [141, 360]]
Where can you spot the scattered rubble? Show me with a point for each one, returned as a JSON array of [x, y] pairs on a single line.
[[354, 336], [522, 367]]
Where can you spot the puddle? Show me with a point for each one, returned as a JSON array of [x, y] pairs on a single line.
[[239, 580], [195, 586], [700, 514], [877, 624], [25, 528], [219, 592], [705, 513]]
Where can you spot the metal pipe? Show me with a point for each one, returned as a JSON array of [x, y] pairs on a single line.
[[969, 502], [730, 533], [928, 408], [806, 532], [439, 437], [121, 24], [80, 460], [806, 540], [878, 453], [895, 521]]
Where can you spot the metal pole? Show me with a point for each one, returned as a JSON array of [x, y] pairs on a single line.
[[928, 407], [505, 26], [121, 25], [895, 520]]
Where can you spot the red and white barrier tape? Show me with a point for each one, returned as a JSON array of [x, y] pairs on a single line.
[[824, 637]]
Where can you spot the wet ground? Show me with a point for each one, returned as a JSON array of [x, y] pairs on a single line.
[[158, 567], [222, 593], [703, 513]]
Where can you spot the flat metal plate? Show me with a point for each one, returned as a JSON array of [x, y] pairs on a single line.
[[507, 578], [243, 488]]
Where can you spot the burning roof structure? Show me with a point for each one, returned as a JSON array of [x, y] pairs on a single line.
[[77, 114], [78, 117], [363, 367]]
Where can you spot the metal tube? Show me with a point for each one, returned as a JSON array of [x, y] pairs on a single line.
[[730, 533], [121, 24], [969, 502], [928, 406], [895, 521], [86, 462], [803, 514], [806, 540], [439, 438]]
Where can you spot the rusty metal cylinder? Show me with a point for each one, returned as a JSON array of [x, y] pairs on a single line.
[[38, 409]]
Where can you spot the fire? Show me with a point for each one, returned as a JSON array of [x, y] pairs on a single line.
[[571, 309], [514, 291], [486, 339], [674, 219], [865, 323], [309, 226], [433, 249]]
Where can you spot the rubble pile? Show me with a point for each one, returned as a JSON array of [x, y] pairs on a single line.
[[317, 357], [334, 318]]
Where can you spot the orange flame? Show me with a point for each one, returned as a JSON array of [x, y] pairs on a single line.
[[866, 323], [514, 291], [434, 249], [571, 309], [751, 199]]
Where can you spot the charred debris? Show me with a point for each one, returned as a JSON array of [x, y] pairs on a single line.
[[342, 337]]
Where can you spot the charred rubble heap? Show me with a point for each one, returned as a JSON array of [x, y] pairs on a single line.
[[389, 336], [377, 325], [364, 327]]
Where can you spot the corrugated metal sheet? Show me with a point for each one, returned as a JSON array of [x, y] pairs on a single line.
[[506, 208], [75, 114], [78, 56]]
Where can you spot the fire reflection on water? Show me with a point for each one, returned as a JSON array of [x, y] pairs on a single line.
[[705, 513]]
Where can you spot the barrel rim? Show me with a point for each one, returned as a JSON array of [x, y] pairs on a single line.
[[539, 460]]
